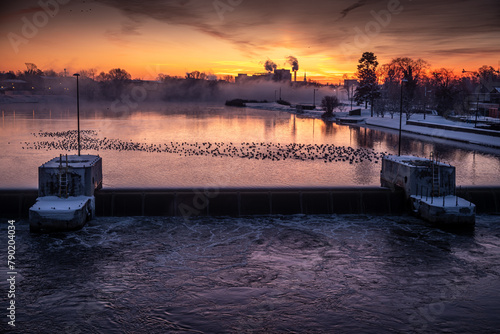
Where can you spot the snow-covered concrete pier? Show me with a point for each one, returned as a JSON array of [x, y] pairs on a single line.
[[66, 193], [52, 213], [417, 175], [70, 175], [429, 186], [445, 210]]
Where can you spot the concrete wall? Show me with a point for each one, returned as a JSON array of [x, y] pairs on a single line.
[[15, 204], [417, 180], [242, 202], [48, 182], [82, 180]]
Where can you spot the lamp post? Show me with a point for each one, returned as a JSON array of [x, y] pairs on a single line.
[[78, 109], [477, 100], [352, 93], [425, 100], [401, 116], [314, 97]]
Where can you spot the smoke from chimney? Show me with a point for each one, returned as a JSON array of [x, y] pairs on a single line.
[[270, 66], [293, 62], [295, 65]]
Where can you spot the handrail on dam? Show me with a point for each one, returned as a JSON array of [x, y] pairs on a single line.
[[15, 203]]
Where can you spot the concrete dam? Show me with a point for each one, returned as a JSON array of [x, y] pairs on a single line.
[[15, 203]]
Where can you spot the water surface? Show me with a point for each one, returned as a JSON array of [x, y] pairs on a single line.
[[279, 274], [28, 139]]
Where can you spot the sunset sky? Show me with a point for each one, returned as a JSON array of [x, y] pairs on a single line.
[[237, 36]]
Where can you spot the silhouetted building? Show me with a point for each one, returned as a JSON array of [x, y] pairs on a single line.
[[262, 76], [57, 85], [282, 75], [16, 87], [495, 95], [241, 77], [350, 82], [278, 75]]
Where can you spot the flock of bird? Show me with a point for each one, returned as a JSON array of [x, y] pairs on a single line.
[[67, 141]]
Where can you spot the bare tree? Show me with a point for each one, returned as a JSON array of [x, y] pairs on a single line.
[[228, 78], [328, 104]]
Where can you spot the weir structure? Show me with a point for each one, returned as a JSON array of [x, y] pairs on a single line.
[[66, 189], [234, 202], [430, 189]]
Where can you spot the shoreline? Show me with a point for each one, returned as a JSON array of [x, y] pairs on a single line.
[[433, 126]]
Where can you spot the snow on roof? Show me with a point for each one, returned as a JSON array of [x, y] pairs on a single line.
[[412, 161], [14, 81], [74, 161], [54, 207], [54, 203], [450, 202]]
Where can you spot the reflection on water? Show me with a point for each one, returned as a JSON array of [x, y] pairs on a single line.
[[211, 124]]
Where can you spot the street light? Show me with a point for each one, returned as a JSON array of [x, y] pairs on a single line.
[[477, 103], [425, 102], [352, 93], [314, 98], [78, 109], [401, 116]]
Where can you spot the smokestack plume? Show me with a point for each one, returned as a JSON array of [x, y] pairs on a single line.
[[293, 62], [295, 65], [270, 66]]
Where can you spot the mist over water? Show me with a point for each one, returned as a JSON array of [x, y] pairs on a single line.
[[291, 150]]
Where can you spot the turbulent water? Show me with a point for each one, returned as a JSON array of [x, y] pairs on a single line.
[[269, 274]]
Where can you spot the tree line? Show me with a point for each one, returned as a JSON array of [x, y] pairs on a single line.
[[419, 87], [113, 84]]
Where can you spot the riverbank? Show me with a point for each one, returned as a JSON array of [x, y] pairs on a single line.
[[438, 127], [432, 126]]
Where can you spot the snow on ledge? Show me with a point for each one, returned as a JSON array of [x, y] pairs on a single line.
[[54, 203], [411, 160], [74, 161], [450, 202]]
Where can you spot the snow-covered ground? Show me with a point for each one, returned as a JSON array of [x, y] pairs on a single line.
[[472, 138], [393, 123]]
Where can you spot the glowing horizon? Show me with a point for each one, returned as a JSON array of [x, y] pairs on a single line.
[[173, 38]]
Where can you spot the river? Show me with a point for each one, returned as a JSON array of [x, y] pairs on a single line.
[[259, 274], [188, 133], [267, 274]]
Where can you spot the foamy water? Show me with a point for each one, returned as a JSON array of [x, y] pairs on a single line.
[[273, 274]]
